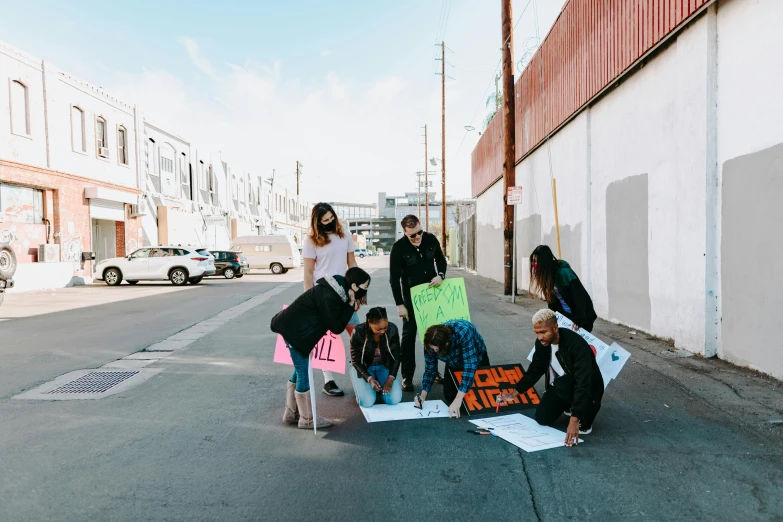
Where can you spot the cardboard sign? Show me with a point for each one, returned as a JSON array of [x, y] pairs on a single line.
[[328, 354], [491, 381], [439, 304]]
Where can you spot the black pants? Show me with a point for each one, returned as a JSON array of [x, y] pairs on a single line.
[[450, 388], [408, 343], [558, 398]]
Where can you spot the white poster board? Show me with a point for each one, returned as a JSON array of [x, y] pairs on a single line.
[[406, 411], [610, 359], [523, 432]]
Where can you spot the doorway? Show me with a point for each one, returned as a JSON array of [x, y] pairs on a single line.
[[104, 239]]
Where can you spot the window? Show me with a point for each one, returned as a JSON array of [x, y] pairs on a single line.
[[122, 145], [183, 169], [21, 204], [151, 164], [202, 175], [235, 187], [100, 137], [166, 166], [20, 109], [263, 248], [212, 180], [141, 253], [78, 141]]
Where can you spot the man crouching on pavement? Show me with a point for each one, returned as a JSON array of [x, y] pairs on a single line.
[[573, 380], [458, 343]]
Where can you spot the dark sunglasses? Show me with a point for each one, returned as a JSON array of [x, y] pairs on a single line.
[[415, 234]]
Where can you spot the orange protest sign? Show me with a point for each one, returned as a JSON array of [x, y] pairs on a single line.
[[491, 381]]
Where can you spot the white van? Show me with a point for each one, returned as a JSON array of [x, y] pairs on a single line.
[[277, 253]]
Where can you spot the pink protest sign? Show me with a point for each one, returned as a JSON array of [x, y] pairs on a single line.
[[329, 353]]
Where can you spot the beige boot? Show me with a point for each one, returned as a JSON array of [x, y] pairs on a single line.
[[306, 413], [291, 415]]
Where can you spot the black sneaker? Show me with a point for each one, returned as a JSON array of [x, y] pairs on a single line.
[[331, 388], [407, 385], [586, 430], [567, 413], [438, 378]]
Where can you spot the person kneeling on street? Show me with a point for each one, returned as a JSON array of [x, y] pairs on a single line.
[[326, 307], [462, 348], [573, 384], [375, 356]]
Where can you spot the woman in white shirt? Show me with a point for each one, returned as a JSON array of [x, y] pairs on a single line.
[[327, 250]]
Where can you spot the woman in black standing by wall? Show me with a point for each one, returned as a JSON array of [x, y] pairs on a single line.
[[554, 279]]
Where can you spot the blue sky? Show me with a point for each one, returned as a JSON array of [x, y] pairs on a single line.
[[343, 86]]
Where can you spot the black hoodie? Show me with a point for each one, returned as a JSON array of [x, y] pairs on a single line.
[[322, 308]]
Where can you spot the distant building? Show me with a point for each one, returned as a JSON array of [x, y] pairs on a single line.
[[397, 207], [362, 219]]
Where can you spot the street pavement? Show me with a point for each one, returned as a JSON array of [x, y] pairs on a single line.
[[203, 440]]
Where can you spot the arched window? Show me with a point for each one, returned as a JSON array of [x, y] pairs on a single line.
[[122, 145], [78, 141], [100, 137], [20, 109]]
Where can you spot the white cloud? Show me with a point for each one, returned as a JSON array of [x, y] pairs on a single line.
[[354, 140], [195, 56]]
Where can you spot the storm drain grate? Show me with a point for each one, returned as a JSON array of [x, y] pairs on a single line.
[[94, 382]]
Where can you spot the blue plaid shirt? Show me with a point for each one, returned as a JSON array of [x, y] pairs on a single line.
[[467, 348]]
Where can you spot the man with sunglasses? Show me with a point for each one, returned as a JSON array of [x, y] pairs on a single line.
[[415, 259]]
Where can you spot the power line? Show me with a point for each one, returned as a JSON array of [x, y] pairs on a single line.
[[484, 96]]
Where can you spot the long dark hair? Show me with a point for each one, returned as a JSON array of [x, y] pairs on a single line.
[[356, 275], [375, 314], [316, 233], [543, 272]]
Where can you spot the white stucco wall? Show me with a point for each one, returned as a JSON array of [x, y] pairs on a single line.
[[489, 233], [14, 146], [750, 170]]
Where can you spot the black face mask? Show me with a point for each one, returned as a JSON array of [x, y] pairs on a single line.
[[329, 227], [360, 293]]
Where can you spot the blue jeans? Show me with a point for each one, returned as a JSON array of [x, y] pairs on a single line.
[[300, 377], [365, 395]]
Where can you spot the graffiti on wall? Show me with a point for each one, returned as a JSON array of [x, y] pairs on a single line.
[[72, 251], [21, 237], [130, 246]]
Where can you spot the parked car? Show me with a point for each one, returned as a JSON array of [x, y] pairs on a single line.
[[230, 264], [212, 270], [7, 269], [179, 265], [361, 252], [277, 253]]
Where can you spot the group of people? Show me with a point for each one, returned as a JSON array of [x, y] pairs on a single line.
[[336, 288]]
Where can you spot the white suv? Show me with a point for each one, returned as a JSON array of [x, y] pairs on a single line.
[[179, 265]]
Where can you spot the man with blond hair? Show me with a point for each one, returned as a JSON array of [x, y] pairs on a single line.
[[573, 381]]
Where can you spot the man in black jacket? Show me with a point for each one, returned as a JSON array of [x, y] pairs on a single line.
[[572, 377], [415, 259]]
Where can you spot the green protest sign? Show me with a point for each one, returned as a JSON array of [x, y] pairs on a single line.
[[439, 304]]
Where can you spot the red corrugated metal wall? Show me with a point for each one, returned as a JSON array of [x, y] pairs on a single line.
[[589, 46]]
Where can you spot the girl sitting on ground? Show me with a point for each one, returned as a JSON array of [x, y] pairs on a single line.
[[375, 356]]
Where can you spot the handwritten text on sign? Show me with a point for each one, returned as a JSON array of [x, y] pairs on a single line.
[[491, 381], [328, 354], [439, 304]]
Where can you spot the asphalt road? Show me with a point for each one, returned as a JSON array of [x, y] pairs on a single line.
[[203, 440]]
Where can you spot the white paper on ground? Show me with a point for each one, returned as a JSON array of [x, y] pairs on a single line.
[[524, 432], [406, 411]]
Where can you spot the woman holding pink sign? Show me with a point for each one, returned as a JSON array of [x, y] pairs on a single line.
[[327, 307]]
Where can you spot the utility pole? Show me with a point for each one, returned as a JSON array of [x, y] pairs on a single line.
[[444, 224], [426, 186], [298, 172], [418, 201], [509, 155]]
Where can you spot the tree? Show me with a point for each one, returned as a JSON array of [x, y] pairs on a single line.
[[494, 101]]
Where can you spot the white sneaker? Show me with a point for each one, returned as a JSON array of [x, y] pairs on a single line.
[[567, 413], [585, 431]]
